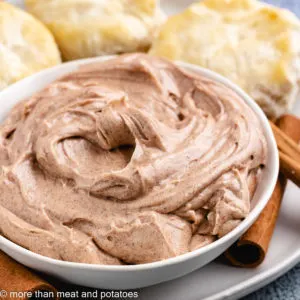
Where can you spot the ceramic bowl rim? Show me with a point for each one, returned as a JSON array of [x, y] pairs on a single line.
[[234, 234]]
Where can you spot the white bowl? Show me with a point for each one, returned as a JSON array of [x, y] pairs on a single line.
[[136, 276]]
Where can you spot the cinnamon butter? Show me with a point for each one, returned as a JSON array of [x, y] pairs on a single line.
[[127, 161]]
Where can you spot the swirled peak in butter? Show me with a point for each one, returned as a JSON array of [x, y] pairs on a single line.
[[26, 45], [88, 28], [130, 160], [253, 44]]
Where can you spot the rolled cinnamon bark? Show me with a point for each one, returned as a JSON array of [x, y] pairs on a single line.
[[250, 250], [291, 126], [18, 282]]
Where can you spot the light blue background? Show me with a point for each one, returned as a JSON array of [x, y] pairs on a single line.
[[288, 286]]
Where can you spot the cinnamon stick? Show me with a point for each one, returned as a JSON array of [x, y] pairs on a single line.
[[250, 250], [289, 154], [290, 168], [18, 282], [285, 143], [290, 125]]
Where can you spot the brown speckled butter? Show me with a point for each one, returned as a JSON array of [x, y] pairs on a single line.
[[131, 160]]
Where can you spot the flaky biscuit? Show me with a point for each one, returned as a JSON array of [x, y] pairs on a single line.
[[26, 45], [87, 28], [253, 44]]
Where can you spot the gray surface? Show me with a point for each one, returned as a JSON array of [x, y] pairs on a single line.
[[285, 288], [288, 286]]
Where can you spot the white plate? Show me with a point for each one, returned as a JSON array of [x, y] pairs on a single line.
[[218, 281]]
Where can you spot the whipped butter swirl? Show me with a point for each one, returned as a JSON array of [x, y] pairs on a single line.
[[127, 161]]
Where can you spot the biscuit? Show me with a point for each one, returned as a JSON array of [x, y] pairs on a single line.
[[253, 44], [26, 45], [88, 28]]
